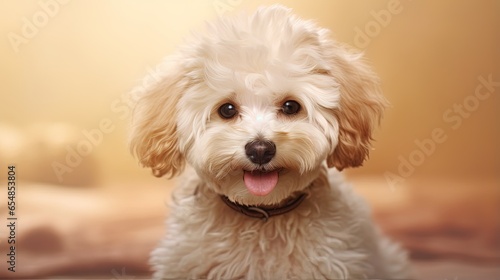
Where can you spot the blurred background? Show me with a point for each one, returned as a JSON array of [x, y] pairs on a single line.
[[87, 208]]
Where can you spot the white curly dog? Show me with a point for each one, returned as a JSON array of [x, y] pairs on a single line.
[[260, 106]]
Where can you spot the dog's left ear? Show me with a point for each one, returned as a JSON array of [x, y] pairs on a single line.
[[360, 108]]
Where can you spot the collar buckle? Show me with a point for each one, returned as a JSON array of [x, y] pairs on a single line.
[[264, 214]]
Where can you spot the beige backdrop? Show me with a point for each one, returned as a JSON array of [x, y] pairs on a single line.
[[70, 62]]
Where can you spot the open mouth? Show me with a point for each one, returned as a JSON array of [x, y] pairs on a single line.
[[259, 182]]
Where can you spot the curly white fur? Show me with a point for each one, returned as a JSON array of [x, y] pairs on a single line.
[[257, 63]]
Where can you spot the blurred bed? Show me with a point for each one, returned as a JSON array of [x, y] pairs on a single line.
[[108, 232]]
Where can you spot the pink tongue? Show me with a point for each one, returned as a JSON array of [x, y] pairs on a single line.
[[259, 183]]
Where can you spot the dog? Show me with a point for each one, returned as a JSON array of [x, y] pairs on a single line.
[[261, 112]]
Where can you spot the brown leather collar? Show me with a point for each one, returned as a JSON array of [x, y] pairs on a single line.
[[261, 213]]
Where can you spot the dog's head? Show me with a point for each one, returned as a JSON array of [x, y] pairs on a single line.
[[255, 105]]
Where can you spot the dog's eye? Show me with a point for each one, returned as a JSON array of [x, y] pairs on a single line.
[[290, 107], [227, 111]]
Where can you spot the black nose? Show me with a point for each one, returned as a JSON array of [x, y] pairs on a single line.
[[259, 151]]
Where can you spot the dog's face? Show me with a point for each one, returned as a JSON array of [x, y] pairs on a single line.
[[256, 105]]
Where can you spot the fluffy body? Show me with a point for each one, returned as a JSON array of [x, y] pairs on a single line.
[[257, 63], [329, 236]]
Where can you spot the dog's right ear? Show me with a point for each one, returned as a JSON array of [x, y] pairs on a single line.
[[153, 139]]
